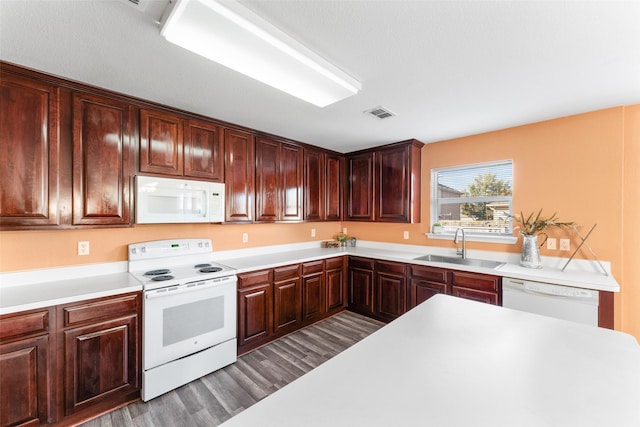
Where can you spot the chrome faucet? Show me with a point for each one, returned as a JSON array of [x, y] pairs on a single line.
[[463, 251]]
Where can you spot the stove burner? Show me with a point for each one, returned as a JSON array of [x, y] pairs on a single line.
[[210, 269], [201, 265], [162, 278], [159, 272]]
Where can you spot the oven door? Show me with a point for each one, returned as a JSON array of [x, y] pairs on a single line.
[[182, 320]]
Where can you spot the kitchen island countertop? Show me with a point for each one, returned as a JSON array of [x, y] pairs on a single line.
[[454, 362]]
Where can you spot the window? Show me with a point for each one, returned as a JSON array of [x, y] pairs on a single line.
[[476, 197]]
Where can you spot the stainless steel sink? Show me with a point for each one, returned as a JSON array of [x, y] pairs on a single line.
[[457, 260]]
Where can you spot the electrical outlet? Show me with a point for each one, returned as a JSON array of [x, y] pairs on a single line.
[[344, 230], [551, 243], [313, 232], [83, 248], [245, 237], [405, 235], [564, 244]]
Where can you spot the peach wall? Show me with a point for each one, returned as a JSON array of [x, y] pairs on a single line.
[[26, 250], [629, 305]]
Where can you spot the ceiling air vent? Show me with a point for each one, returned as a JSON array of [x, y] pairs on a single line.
[[380, 112]]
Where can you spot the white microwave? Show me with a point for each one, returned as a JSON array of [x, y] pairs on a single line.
[[171, 200]]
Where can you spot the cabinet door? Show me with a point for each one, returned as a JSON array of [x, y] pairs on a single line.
[[314, 180], [425, 282], [421, 290], [101, 160], [239, 175], [361, 285], [286, 298], [333, 187], [335, 285], [203, 151], [267, 171], [473, 294], [100, 362], [392, 185], [161, 143], [480, 287], [313, 291], [360, 192], [30, 153], [390, 290], [24, 381], [254, 315], [290, 183]]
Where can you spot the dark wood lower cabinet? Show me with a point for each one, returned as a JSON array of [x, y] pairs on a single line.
[[69, 363], [287, 313], [361, 282], [275, 302], [425, 282], [335, 283], [99, 355], [385, 290], [390, 290], [25, 368], [313, 295], [98, 363]]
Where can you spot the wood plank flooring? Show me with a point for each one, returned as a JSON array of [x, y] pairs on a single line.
[[215, 398]]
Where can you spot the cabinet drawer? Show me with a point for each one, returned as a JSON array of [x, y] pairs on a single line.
[[312, 267], [432, 274], [286, 273], [483, 282], [13, 326], [334, 263], [363, 263], [100, 309], [390, 267], [261, 277]]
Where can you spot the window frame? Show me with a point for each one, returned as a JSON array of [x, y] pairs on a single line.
[[471, 235]]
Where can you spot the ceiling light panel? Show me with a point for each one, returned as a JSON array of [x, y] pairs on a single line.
[[234, 36]]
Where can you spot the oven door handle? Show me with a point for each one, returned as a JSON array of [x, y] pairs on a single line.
[[180, 289]]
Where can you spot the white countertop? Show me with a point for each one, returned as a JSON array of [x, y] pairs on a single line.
[[25, 290], [455, 362], [22, 291], [580, 273]]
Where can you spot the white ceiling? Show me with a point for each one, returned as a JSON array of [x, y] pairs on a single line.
[[446, 68]]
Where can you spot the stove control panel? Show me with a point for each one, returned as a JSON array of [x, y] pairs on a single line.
[[168, 248]]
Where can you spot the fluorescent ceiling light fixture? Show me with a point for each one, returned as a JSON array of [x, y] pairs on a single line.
[[232, 35]]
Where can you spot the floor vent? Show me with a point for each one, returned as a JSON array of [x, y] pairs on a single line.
[[380, 112]]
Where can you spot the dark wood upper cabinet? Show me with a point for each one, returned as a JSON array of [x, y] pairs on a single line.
[[279, 180], [267, 170], [314, 173], [203, 151], [384, 183], [30, 153], [333, 187], [101, 160], [323, 181], [291, 182], [360, 191], [239, 163], [161, 142]]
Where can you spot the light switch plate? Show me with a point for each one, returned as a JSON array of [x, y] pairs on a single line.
[[551, 243]]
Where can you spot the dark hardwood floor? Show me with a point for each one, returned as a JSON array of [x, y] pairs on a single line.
[[215, 398]]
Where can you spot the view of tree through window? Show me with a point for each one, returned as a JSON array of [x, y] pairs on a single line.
[[476, 197]]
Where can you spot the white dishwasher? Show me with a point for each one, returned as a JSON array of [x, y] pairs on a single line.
[[562, 302]]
